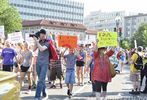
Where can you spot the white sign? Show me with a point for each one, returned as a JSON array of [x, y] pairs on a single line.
[[2, 34], [28, 38], [15, 37]]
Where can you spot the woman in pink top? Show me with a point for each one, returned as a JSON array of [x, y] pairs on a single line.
[[101, 74]]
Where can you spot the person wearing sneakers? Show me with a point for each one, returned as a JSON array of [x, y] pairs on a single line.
[[70, 60], [42, 63], [26, 66], [136, 60]]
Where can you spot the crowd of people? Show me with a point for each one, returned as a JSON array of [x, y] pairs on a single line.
[[90, 61]]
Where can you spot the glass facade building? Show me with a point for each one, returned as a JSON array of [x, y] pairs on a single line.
[[57, 10]]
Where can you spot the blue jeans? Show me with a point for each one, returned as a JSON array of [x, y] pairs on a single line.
[[41, 72]]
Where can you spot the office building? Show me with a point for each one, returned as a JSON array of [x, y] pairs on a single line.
[[57, 10], [99, 20], [132, 23]]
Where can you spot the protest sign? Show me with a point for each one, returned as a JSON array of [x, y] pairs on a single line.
[[67, 41], [107, 39], [15, 37]]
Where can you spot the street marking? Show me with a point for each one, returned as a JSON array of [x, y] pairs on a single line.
[[78, 91]]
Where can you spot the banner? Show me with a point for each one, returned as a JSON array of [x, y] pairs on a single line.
[[15, 37], [67, 41], [2, 34], [107, 39]]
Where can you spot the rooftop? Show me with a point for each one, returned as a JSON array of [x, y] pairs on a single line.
[[50, 23], [138, 15], [92, 32]]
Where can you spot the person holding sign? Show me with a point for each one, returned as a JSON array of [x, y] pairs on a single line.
[[101, 71], [70, 60]]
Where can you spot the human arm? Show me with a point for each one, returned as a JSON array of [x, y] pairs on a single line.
[[62, 53], [31, 62], [110, 52], [39, 46]]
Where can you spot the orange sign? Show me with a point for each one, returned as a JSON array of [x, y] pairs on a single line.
[[67, 41]]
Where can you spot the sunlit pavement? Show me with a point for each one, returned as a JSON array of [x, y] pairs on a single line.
[[117, 90]]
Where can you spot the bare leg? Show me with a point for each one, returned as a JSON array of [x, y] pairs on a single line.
[[22, 76], [71, 88], [78, 75], [81, 74], [29, 80]]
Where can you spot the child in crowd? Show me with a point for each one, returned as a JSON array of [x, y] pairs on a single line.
[[70, 60]]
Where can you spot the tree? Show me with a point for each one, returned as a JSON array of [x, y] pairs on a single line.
[[140, 36], [125, 44], [10, 17]]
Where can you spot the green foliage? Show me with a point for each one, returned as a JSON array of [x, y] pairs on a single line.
[[140, 36], [10, 17], [125, 44]]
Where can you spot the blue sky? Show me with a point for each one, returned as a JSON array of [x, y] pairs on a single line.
[[137, 6]]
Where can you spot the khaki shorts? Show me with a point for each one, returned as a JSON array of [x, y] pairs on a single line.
[[134, 77]]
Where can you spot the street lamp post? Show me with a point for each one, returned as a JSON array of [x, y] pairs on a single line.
[[118, 20]]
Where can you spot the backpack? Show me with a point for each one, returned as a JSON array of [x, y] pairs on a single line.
[[139, 62], [52, 51]]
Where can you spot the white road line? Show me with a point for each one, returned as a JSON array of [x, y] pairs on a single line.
[[78, 91]]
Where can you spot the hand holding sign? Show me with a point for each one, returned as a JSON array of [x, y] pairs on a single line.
[[67, 41], [107, 39]]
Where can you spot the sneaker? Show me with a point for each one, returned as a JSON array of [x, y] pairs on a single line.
[[44, 96], [134, 92], [53, 86], [137, 92], [28, 92]]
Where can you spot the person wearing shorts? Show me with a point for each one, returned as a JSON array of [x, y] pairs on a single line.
[[70, 60], [8, 54], [56, 70], [26, 66], [80, 66], [134, 74]]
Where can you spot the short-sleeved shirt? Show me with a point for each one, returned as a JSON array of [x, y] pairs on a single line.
[[83, 55], [43, 56], [70, 61], [8, 55], [27, 57], [133, 58]]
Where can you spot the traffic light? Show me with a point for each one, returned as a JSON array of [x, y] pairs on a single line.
[[115, 30], [120, 31]]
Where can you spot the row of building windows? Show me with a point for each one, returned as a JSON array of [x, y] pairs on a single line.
[[46, 9], [58, 4], [47, 16]]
